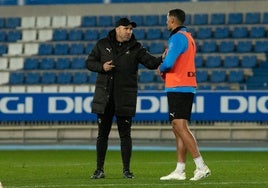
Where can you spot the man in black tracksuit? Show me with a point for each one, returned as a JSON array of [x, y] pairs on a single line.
[[116, 59]]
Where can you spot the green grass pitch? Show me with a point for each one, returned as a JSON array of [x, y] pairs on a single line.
[[72, 169]]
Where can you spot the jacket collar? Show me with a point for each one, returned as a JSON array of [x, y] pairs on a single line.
[[176, 30]]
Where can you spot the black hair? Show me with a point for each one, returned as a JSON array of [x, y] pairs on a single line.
[[178, 14]]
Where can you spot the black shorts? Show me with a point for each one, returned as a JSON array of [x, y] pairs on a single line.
[[180, 105]]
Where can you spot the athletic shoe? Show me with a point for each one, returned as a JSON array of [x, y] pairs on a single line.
[[98, 174], [127, 174], [174, 176], [201, 173]]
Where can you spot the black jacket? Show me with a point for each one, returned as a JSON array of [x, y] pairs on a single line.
[[121, 82]]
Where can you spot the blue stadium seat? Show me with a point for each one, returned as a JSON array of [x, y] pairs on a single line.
[[204, 87], [14, 35], [209, 46], [252, 18], [226, 46], [163, 20], [218, 76], [204, 33], [244, 46], [3, 49], [64, 78], [76, 49], [138, 19], [2, 36], [235, 18], [59, 35], [89, 21], [166, 34], [188, 19], [222, 87], [91, 34], [16, 78], [156, 47], [80, 78], [103, 33], [202, 76], [78, 63], [261, 46], [48, 78], [221, 32], [151, 20], [13, 22], [240, 32], [105, 21], [236, 76], [151, 87], [92, 77], [257, 32], [200, 19], [47, 63], [153, 34], [231, 61], [89, 47], [31, 64], [45, 49], [2, 22], [61, 49], [265, 18], [199, 61], [32, 78], [62, 63], [75, 34], [147, 76], [249, 61], [139, 33], [213, 61], [217, 18]]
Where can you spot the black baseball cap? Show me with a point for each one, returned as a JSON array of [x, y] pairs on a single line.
[[124, 22]]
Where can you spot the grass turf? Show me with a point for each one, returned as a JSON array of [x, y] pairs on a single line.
[[72, 168]]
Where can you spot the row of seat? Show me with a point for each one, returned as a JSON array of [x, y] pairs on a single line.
[[141, 20]]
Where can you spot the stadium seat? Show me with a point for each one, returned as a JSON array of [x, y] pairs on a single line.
[[92, 77], [13, 35], [204, 33], [34, 88], [200, 19], [188, 19], [218, 76], [31, 48], [89, 47], [249, 61], [89, 21], [2, 23], [202, 76], [105, 21], [244, 46], [151, 87], [32, 78], [3, 63], [226, 46], [45, 35], [199, 61], [28, 22], [103, 33], [78, 63], [13, 22], [16, 63], [62, 63], [236, 76], [64, 78], [252, 17], [265, 18], [146, 76], [2, 36], [59, 35], [45, 49], [48, 78], [257, 32], [3, 49], [29, 35], [4, 80], [166, 34], [163, 20], [235, 18], [61, 49], [240, 32], [222, 87], [213, 61], [231, 61], [43, 21], [217, 18], [47, 63], [204, 87], [58, 21], [140, 34], [209, 46], [80, 78], [76, 49], [91, 34], [73, 21], [221, 32], [15, 49], [16, 78], [154, 33], [156, 47], [75, 34], [151, 20], [31, 64], [261, 46], [138, 19]]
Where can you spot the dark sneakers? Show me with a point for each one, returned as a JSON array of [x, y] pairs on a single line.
[[127, 174], [98, 174]]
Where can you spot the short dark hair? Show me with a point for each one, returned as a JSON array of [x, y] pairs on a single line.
[[178, 14]]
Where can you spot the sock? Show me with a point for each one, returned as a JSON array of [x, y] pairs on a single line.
[[199, 162], [180, 167]]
